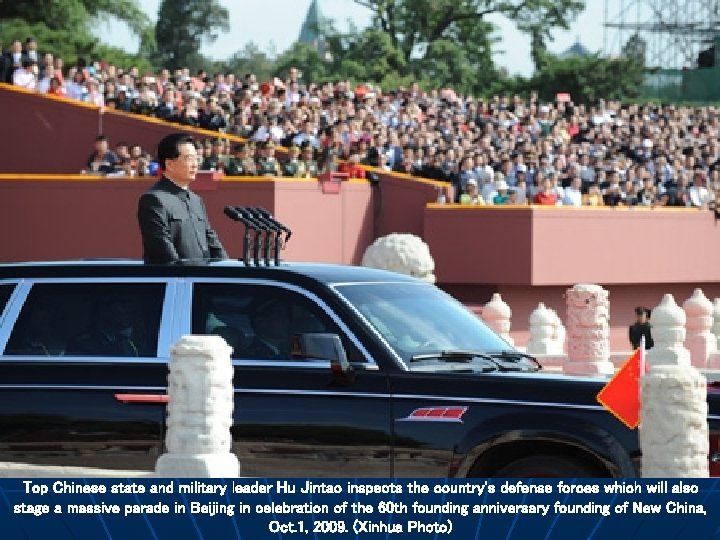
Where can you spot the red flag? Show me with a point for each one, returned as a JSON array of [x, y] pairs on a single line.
[[621, 395]]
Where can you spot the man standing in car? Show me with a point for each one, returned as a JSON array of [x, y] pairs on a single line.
[[173, 221]]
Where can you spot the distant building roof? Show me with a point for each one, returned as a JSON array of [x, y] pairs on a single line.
[[310, 30], [576, 49]]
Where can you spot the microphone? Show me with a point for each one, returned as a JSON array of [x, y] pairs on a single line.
[[267, 215], [232, 213]]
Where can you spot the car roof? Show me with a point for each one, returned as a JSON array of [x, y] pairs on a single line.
[[326, 273]]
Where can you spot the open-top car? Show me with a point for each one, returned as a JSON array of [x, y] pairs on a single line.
[[415, 384]]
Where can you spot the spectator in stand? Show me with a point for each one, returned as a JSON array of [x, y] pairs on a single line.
[[94, 96], [292, 166], [501, 193], [26, 75], [307, 156], [573, 193], [698, 194], [648, 195], [122, 102], [167, 109], [216, 161], [43, 84], [14, 60], [76, 89], [56, 87], [351, 166], [102, 160], [594, 196], [467, 172], [471, 194], [122, 151], [267, 164], [241, 164], [5, 65], [30, 52], [547, 195]]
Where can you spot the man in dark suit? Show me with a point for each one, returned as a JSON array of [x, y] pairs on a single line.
[[173, 221]]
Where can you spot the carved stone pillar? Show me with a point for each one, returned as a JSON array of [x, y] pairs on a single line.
[[668, 332], [200, 411], [699, 340], [497, 315], [541, 331], [673, 422], [588, 318]]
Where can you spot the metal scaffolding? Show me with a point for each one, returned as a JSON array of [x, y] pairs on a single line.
[[675, 31]]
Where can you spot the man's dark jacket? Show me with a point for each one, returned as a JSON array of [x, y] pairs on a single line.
[[174, 226]]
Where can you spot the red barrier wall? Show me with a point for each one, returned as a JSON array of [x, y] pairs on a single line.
[[56, 135], [81, 216], [534, 245]]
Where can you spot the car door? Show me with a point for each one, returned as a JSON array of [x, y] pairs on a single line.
[[83, 372], [292, 416]]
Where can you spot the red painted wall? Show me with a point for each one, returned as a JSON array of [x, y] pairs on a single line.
[[558, 246], [81, 216], [56, 135]]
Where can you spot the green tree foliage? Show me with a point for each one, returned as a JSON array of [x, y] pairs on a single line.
[[586, 79], [183, 26], [308, 59], [635, 49], [65, 26], [447, 42], [250, 59]]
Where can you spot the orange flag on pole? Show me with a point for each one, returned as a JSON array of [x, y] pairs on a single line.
[[621, 395]]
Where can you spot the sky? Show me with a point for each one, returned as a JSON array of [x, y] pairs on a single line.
[[275, 25]]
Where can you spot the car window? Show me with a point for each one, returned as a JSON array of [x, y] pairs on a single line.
[[259, 321], [89, 319], [5, 292], [417, 318]]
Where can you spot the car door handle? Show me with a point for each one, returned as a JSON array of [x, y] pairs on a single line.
[[142, 398]]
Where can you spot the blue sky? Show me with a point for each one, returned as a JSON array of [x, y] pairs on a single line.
[[275, 24]]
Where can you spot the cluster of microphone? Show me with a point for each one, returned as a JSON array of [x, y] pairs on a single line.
[[264, 235]]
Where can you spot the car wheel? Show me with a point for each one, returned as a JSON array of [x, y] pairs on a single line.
[[545, 466]]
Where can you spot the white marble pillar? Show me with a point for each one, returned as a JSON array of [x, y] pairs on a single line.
[[200, 411], [588, 318], [673, 422], [699, 340], [497, 315], [716, 321], [668, 332], [558, 333], [541, 331]]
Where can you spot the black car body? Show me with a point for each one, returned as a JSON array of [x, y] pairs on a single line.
[[428, 391]]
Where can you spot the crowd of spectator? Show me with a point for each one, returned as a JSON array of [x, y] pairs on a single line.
[[502, 150]]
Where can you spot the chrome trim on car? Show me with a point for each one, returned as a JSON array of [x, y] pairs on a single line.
[[76, 386], [420, 397], [9, 316], [75, 359], [372, 328]]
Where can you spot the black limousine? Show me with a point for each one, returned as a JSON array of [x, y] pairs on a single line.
[[426, 389]]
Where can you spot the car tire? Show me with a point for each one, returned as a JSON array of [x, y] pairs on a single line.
[[545, 466]]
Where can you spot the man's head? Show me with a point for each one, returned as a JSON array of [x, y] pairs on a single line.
[[178, 158], [642, 314], [101, 144]]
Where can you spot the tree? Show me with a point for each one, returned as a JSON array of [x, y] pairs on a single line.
[[427, 33], [250, 59], [635, 49], [182, 27], [586, 79], [65, 26]]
